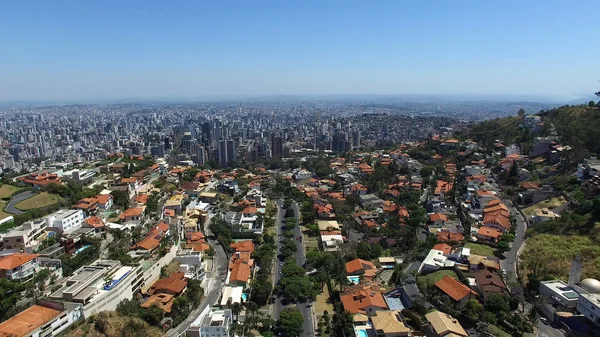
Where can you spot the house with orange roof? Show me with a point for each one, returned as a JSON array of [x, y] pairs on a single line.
[[132, 214], [19, 266], [360, 267], [87, 205], [141, 199], [391, 193], [169, 213], [443, 187], [364, 299], [37, 181], [455, 290], [97, 224], [497, 216], [105, 201], [242, 246], [132, 182], [488, 235], [447, 236], [324, 212], [175, 285], [437, 220], [239, 274], [161, 301], [444, 248], [365, 168], [389, 207], [358, 189]]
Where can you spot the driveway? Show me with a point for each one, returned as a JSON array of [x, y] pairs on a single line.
[[10, 208]]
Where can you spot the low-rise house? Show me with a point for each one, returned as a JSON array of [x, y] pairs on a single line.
[[132, 182], [87, 205], [132, 214], [175, 285], [361, 267], [208, 197], [533, 196], [449, 237], [65, 220], [37, 181], [438, 220], [389, 324], [358, 189], [97, 224], [542, 215], [370, 201], [489, 235], [141, 199], [175, 203], [434, 261], [444, 248], [363, 298], [488, 284], [455, 290], [215, 324], [443, 325], [19, 266], [105, 201]]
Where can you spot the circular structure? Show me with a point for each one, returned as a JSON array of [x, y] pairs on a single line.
[[590, 285]]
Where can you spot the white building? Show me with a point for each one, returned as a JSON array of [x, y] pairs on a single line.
[[100, 286], [434, 261], [215, 324], [558, 292], [66, 220], [25, 236]]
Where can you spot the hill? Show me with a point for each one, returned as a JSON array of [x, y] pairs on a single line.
[[575, 125], [112, 324]]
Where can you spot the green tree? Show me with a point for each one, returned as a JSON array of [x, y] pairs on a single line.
[[291, 321], [497, 303], [363, 250]]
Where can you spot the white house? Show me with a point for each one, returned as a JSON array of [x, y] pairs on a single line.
[[434, 261]]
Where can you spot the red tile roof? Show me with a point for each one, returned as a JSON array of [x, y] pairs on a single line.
[[453, 288], [358, 298], [175, 284], [444, 248], [12, 261]]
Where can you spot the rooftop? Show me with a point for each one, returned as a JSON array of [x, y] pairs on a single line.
[[28, 321]]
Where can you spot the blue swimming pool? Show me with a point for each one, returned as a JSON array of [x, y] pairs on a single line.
[[81, 249], [354, 279], [244, 297], [362, 333]]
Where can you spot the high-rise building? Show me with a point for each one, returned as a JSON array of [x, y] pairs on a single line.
[[186, 143], [226, 152], [276, 146], [158, 151], [200, 157]]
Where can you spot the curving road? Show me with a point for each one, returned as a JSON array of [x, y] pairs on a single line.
[[10, 208]]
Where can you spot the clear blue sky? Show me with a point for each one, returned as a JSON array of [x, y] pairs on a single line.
[[56, 50]]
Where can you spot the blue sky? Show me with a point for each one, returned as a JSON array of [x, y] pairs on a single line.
[[57, 50]]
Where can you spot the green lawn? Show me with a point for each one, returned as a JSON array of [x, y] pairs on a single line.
[[549, 203], [7, 190], [2, 213], [430, 279], [39, 200], [479, 249]]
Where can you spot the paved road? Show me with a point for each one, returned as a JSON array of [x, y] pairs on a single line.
[[277, 305], [509, 262], [304, 307], [212, 290], [545, 330], [410, 286], [10, 208]]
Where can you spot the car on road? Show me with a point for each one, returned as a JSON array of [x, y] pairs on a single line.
[[544, 320]]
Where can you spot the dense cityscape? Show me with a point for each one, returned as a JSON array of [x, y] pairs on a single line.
[[287, 218]]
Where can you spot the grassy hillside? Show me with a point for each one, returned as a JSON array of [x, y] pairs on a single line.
[[578, 126], [111, 324]]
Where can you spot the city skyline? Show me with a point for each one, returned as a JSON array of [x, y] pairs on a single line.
[[117, 51]]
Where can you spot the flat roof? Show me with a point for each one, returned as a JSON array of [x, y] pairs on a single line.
[[28, 320]]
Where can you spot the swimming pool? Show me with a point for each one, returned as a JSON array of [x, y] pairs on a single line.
[[81, 249], [354, 279], [244, 297], [362, 333]]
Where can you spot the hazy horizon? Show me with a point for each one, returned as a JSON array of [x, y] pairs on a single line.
[[69, 51]]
